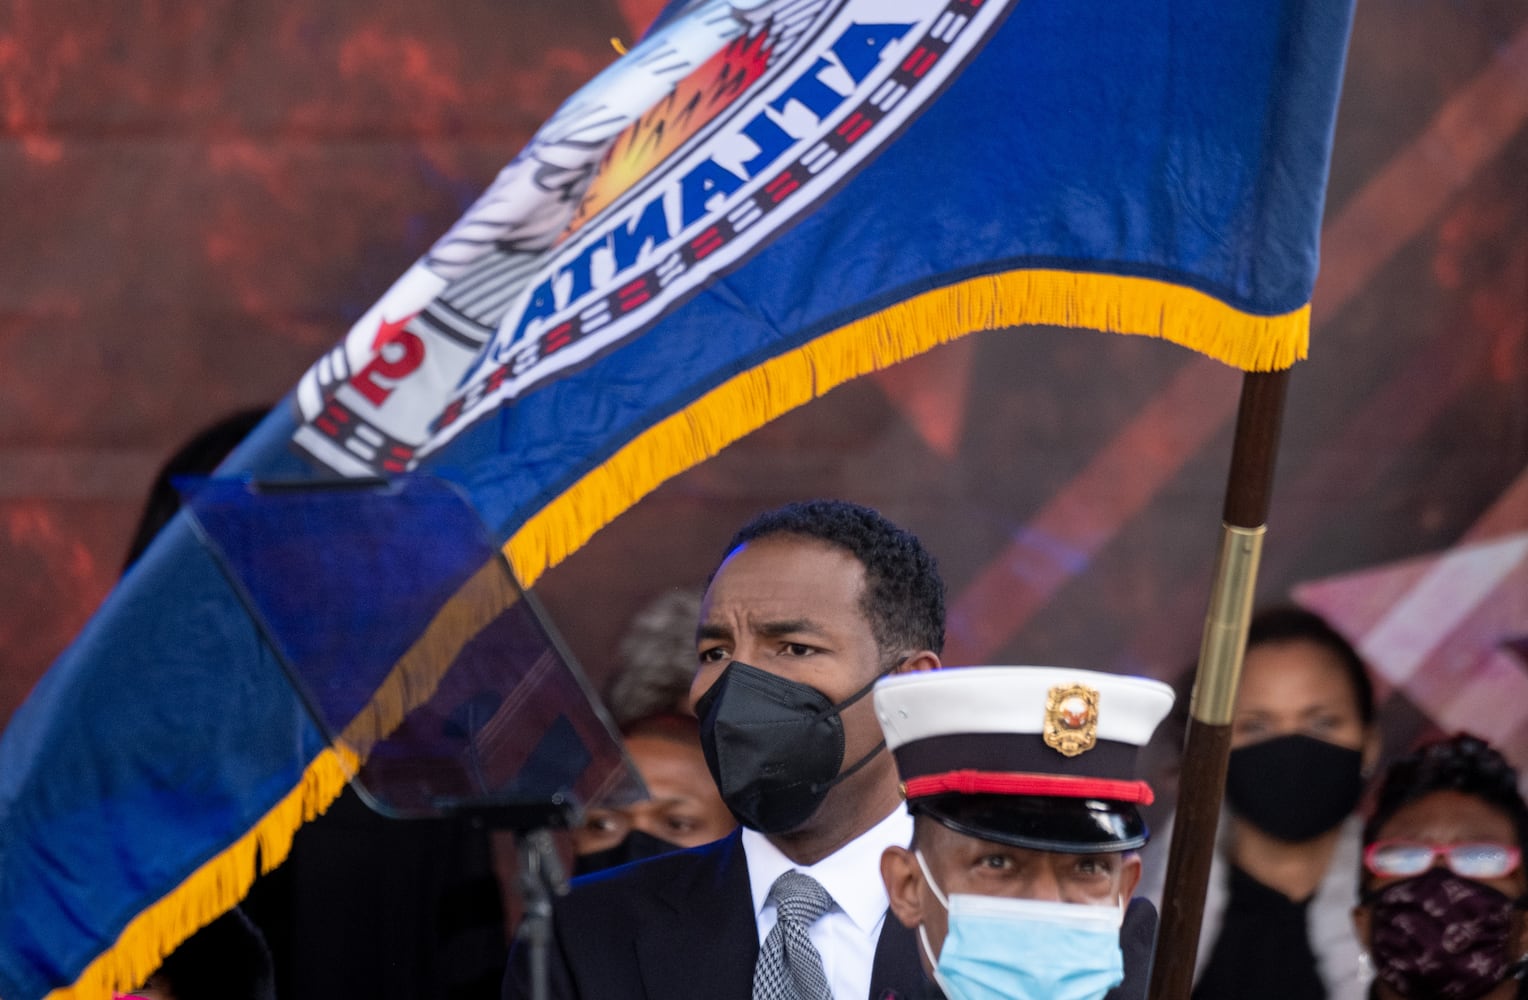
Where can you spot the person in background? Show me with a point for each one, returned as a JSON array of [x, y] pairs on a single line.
[[1442, 894], [657, 658], [683, 808], [1276, 917], [226, 960], [199, 455], [1026, 829], [650, 701]]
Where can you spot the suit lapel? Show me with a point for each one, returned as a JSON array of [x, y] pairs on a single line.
[[897, 971], [703, 941]]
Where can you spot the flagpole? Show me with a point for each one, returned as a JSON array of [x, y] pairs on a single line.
[[1208, 742]]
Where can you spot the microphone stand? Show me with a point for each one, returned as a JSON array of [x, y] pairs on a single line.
[[541, 877]]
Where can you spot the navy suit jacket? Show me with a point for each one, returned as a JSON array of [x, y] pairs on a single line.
[[682, 926]]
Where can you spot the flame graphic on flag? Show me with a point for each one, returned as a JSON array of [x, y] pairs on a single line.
[[694, 102]]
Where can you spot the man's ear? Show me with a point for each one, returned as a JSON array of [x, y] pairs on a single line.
[[899, 870], [924, 659], [1129, 875]]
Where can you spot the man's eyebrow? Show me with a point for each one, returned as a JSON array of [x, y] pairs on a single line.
[[769, 630], [789, 626]]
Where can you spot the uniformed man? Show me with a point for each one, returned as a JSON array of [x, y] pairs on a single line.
[[1021, 782]]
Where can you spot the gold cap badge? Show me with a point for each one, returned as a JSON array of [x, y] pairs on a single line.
[[1071, 719]]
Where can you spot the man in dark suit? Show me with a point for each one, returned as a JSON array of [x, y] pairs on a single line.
[[812, 604], [1024, 857]]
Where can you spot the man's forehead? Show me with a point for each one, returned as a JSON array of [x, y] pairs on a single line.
[[783, 571]]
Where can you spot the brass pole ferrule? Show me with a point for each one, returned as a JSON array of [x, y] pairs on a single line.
[[1225, 625]]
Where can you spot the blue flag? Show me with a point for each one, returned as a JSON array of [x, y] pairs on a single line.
[[760, 202]]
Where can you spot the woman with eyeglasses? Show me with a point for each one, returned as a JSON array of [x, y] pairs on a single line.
[[1442, 894]]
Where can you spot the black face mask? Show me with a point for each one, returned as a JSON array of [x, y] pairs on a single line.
[[774, 746], [635, 846], [1294, 787]]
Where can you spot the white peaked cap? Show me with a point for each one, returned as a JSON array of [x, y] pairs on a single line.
[[1041, 757], [953, 700]]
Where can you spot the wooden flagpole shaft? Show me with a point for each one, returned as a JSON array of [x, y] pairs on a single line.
[[1208, 743]]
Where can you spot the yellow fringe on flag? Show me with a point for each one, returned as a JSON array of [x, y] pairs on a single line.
[[1106, 302], [211, 890], [739, 406], [415, 676], [221, 882]]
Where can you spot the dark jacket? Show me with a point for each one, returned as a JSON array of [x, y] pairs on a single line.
[[682, 926]]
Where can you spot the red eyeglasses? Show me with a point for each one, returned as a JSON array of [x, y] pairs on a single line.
[[1405, 858]]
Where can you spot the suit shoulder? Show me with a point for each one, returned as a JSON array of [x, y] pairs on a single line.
[[642, 881]]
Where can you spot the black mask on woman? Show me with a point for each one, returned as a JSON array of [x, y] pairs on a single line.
[[635, 846], [1294, 788], [773, 746]]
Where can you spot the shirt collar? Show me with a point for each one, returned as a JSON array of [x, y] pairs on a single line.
[[851, 874]]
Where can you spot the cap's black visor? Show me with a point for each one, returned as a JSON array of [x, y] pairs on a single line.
[[1041, 823]]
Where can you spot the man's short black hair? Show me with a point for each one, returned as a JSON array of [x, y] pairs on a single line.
[[1290, 623], [1464, 764], [904, 595]]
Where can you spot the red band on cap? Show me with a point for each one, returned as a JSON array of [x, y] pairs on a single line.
[[1008, 783]]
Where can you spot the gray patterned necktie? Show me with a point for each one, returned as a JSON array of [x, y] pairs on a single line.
[[789, 966]]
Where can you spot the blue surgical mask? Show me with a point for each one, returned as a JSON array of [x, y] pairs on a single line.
[[998, 948]]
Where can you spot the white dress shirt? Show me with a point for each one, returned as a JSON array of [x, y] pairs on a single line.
[[846, 935]]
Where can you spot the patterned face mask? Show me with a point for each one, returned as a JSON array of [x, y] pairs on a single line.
[[1439, 935]]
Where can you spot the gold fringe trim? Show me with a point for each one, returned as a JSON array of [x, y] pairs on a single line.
[[220, 883], [1110, 303], [212, 889], [417, 674]]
